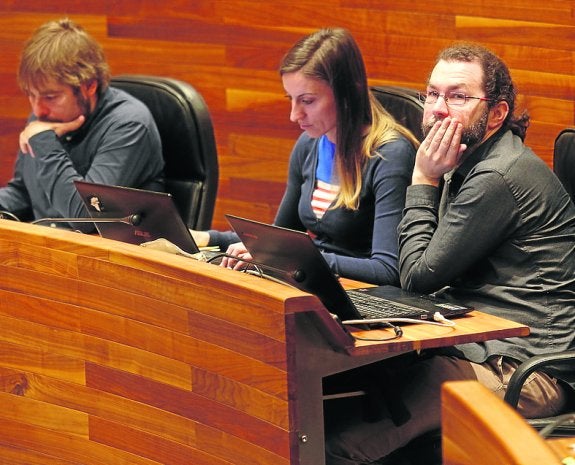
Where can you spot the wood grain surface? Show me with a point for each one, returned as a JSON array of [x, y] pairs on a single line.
[[106, 358], [114, 354], [479, 428], [229, 50]]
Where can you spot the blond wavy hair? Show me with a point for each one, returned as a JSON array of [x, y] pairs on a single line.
[[64, 52]]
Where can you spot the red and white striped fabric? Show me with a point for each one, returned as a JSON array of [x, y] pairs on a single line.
[[322, 197]]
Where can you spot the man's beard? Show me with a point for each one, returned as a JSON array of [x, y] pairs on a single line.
[[472, 135], [83, 105]]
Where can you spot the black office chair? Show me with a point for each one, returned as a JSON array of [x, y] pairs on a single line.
[[563, 362], [564, 168], [404, 106], [188, 143], [564, 159], [427, 449]]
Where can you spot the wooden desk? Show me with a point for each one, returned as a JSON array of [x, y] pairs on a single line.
[[479, 428], [563, 447], [114, 354]]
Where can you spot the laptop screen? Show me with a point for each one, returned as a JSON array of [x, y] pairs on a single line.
[[292, 257], [138, 215]]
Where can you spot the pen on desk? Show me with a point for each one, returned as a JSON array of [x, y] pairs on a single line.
[[211, 248], [439, 292]]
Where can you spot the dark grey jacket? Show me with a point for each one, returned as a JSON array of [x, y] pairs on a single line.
[[505, 243], [119, 144]]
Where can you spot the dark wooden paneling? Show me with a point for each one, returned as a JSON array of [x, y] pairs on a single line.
[[229, 50]]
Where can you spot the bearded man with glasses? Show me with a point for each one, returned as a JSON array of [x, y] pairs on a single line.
[[486, 222]]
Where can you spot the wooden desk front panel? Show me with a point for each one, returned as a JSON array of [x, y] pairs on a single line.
[[111, 354], [110, 358]]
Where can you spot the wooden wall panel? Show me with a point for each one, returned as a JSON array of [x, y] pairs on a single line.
[[230, 49]]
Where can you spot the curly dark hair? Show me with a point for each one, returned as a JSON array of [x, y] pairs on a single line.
[[497, 81]]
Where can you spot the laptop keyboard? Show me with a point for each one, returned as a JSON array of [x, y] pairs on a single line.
[[370, 306]]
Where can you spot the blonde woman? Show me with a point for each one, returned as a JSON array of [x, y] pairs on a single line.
[[350, 168]]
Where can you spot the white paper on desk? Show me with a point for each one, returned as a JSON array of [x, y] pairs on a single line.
[[164, 245]]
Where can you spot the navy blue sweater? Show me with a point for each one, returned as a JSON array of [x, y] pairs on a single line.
[[358, 244]]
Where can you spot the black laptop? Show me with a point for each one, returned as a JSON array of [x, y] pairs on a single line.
[[135, 216], [292, 257]]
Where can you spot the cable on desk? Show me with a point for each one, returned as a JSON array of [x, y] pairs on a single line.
[[566, 419], [396, 329], [6, 215], [440, 320], [252, 268]]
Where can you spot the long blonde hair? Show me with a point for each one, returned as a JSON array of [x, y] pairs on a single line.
[[363, 125], [383, 129]]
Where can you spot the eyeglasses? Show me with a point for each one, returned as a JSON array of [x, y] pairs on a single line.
[[451, 99]]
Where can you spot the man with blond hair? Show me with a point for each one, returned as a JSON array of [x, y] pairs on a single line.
[[79, 129]]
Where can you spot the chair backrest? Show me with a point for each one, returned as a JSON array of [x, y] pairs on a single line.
[[403, 105], [564, 159], [188, 142], [479, 428]]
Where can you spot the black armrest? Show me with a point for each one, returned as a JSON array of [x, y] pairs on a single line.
[[536, 363]]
